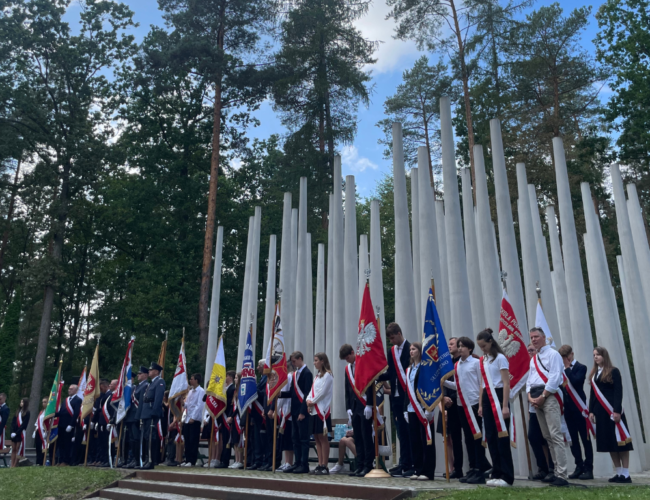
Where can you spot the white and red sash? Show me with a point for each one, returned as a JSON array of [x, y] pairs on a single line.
[[322, 408], [225, 423], [285, 413], [622, 434], [543, 375], [419, 412], [469, 413], [401, 375], [258, 408], [159, 429], [580, 404], [21, 449], [41, 430], [494, 401], [513, 431], [348, 373], [68, 406], [107, 416], [296, 388]]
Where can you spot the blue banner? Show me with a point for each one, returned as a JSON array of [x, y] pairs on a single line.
[[436, 365], [248, 384]]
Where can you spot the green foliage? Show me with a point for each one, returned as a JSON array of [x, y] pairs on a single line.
[[485, 493], [9, 341]]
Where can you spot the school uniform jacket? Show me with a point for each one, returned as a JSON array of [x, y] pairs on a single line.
[[391, 374]]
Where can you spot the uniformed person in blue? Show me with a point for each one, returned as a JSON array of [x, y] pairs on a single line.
[[133, 417], [152, 412]]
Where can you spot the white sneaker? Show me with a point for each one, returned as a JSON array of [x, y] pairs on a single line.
[[206, 465], [491, 482], [238, 465], [500, 483], [233, 465], [336, 469], [214, 463], [423, 478], [414, 477]]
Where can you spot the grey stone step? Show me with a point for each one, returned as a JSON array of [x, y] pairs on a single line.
[[128, 494]]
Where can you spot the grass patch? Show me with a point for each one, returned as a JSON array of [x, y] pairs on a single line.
[[69, 483], [485, 493]]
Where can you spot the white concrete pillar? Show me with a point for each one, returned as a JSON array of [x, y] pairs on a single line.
[[640, 238], [254, 285], [486, 242], [442, 287], [461, 322], [429, 253], [578, 312], [472, 258], [243, 317], [301, 311], [309, 313], [285, 268], [290, 316], [415, 231], [545, 279], [269, 311], [329, 309], [350, 263], [405, 311], [364, 264], [213, 329], [559, 279], [319, 329]]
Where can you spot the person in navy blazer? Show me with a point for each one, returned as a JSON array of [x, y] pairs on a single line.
[[68, 415], [577, 373], [4, 415], [152, 412], [133, 417]]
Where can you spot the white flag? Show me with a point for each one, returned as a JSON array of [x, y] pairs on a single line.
[[540, 322], [179, 384]]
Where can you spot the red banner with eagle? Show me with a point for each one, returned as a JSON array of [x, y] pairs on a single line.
[[513, 345], [371, 356]]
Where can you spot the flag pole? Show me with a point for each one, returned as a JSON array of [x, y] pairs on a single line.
[[119, 442], [246, 439], [378, 472], [270, 361], [442, 406], [87, 446]]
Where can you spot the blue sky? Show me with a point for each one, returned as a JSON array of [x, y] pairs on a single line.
[[363, 159]]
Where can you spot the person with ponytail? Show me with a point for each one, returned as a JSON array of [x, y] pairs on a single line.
[[494, 408], [318, 404], [606, 412]]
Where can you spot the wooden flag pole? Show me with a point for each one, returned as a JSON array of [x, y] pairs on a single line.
[[54, 454], [246, 439], [87, 446], [275, 431], [119, 442]]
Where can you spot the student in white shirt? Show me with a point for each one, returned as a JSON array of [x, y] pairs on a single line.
[[193, 417], [496, 370], [319, 400]]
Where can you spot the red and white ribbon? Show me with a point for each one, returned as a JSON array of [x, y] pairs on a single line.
[[622, 434], [419, 412], [299, 393], [494, 402], [401, 376], [544, 377], [68, 406], [469, 413], [322, 413], [580, 404], [348, 373]]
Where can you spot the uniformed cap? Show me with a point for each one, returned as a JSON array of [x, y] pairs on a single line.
[[155, 366], [144, 369]]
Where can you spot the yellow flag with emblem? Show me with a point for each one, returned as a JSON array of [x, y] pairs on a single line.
[[91, 391], [215, 402]]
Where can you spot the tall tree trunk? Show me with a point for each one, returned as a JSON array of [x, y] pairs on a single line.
[[76, 315], [48, 301], [204, 300], [428, 144], [10, 215], [468, 107]]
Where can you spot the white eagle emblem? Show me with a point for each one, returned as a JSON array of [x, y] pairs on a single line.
[[508, 343], [366, 336]]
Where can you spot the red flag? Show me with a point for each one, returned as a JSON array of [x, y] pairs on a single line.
[[371, 356], [514, 347]]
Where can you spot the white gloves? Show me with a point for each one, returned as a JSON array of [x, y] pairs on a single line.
[[34, 435], [349, 418], [109, 427], [367, 412], [73, 440], [93, 425], [428, 415], [13, 435], [350, 414], [68, 428], [406, 416]]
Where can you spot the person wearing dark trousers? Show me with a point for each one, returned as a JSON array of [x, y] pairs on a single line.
[[495, 387], [576, 373], [38, 435], [359, 410], [68, 415], [226, 419], [193, 416], [18, 426], [302, 381], [467, 386], [152, 412], [423, 450], [398, 362], [606, 413], [258, 419], [454, 429], [133, 417], [99, 422], [4, 419]]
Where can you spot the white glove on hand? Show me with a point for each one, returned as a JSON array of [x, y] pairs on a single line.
[[92, 425], [73, 440], [428, 415], [367, 412], [68, 428], [349, 418], [109, 427], [406, 416], [13, 435], [34, 435], [350, 414]]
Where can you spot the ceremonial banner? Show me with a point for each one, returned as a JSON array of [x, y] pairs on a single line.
[[512, 344], [540, 322], [436, 365], [371, 357], [52, 403], [216, 399], [81, 386], [180, 386], [92, 386], [275, 366], [124, 389], [53, 423], [248, 383]]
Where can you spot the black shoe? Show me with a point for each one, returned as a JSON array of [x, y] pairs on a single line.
[[576, 473], [130, 465], [147, 466], [588, 474], [396, 470], [408, 473], [266, 468], [221, 465], [252, 467], [539, 476], [624, 480], [470, 473], [288, 470], [356, 472], [323, 471], [173, 463], [456, 474], [613, 479], [316, 470], [476, 479], [363, 472], [104, 464], [301, 469], [560, 482], [487, 473], [550, 477]]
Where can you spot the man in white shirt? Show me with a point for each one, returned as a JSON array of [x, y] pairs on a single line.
[[545, 379], [192, 422]]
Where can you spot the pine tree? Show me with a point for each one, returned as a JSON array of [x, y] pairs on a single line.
[[8, 341]]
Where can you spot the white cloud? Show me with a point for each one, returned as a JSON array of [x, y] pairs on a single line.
[[351, 160], [391, 54], [236, 163]]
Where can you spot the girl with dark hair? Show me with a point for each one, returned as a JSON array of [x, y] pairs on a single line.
[[494, 409], [606, 411], [18, 426], [423, 450], [318, 404], [237, 429]]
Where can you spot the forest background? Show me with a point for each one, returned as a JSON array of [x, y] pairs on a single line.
[[124, 145]]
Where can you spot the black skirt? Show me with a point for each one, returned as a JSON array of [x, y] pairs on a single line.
[[317, 425], [287, 442], [606, 432]]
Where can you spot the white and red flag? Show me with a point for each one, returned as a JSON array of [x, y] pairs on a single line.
[[275, 363], [513, 345], [180, 385], [371, 357]]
